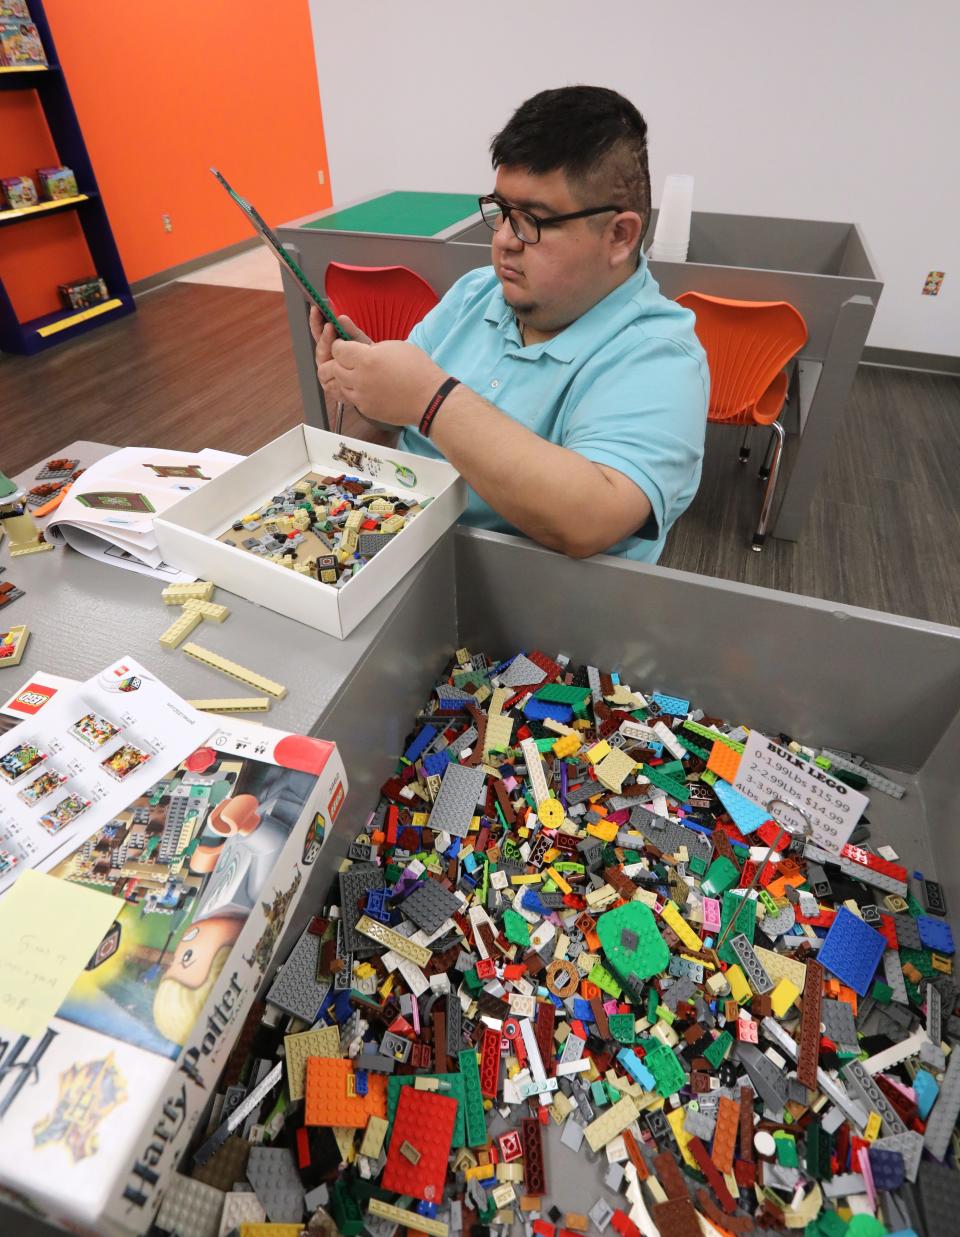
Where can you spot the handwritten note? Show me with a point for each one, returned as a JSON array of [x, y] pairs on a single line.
[[49, 931]]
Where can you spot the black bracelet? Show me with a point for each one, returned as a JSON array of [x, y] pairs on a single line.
[[434, 406]]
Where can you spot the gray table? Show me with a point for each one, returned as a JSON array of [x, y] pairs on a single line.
[[820, 266]]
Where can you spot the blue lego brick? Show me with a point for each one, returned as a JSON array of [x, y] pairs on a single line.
[[887, 1169], [435, 763], [537, 710], [421, 742], [582, 1010], [744, 813], [636, 1069], [935, 934], [852, 951], [927, 1090], [676, 706], [531, 901]]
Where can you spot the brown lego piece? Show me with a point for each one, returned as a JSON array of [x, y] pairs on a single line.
[[746, 1124], [730, 1224], [714, 1178], [808, 1053], [600, 1016], [669, 1175], [226, 1166], [725, 1134], [676, 1218], [636, 1158]]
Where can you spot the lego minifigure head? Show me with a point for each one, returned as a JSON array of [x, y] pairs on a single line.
[[200, 957]]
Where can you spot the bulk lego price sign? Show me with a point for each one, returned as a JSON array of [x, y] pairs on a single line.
[[805, 800]]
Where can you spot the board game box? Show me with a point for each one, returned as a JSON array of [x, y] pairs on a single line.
[[209, 863], [20, 43]]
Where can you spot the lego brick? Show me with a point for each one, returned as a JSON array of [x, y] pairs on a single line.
[[412, 1219], [909, 1146], [839, 1023], [476, 1125], [534, 1167], [809, 1045], [677, 1217], [394, 941], [226, 1167], [429, 906], [210, 610], [232, 704], [757, 977], [177, 594], [862, 1086], [935, 934], [332, 1097], [521, 672], [320, 1042], [272, 1171], [609, 1124], [355, 883], [725, 1136], [426, 1121], [190, 1208], [180, 628], [296, 989], [240, 1207], [456, 804], [943, 1116], [873, 778], [249, 678], [449, 1085], [13, 644], [744, 813], [852, 951]]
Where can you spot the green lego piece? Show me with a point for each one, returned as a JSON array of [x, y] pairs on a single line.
[[672, 768], [472, 980], [786, 1149], [664, 1066], [708, 777], [666, 1014], [706, 733], [622, 1027], [746, 923], [515, 928], [719, 1049], [653, 1002], [598, 1093], [476, 1120], [600, 976], [560, 693], [721, 875], [613, 1095], [882, 993], [345, 1211], [688, 746], [451, 1086], [817, 1148], [697, 865], [546, 745], [631, 941], [669, 785]]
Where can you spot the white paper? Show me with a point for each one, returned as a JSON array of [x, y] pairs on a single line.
[[769, 773], [135, 715]]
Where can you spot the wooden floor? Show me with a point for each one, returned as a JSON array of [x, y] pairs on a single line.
[[202, 366]]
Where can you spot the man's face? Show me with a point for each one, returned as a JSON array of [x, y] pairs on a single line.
[[551, 283]]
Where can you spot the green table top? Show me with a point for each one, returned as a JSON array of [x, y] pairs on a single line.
[[401, 213]]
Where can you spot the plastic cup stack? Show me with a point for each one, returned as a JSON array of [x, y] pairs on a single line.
[[672, 237]]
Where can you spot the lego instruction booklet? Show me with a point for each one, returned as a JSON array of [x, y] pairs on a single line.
[[67, 771]]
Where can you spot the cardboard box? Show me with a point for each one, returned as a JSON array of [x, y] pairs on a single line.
[[187, 532], [96, 1112]]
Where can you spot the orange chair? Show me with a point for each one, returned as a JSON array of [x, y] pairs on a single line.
[[748, 343], [386, 302]]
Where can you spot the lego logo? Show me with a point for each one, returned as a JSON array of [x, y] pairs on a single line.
[[336, 801], [33, 697]]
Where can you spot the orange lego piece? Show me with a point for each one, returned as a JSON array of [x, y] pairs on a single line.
[[332, 1099], [725, 1134], [723, 761]]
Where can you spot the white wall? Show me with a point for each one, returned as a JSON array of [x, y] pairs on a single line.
[[832, 109]]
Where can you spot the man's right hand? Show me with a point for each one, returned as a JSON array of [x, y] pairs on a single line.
[[324, 334]]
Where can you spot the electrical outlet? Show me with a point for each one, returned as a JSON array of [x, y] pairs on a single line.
[[933, 283], [322, 177], [167, 223]]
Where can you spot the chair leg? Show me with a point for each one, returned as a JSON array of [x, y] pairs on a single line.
[[778, 437], [745, 445], [764, 471]]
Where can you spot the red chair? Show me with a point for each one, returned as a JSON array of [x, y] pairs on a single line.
[[748, 343], [386, 302]]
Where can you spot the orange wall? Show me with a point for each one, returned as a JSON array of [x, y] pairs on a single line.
[[163, 89]]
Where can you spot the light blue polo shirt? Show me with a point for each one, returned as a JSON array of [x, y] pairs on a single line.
[[625, 385]]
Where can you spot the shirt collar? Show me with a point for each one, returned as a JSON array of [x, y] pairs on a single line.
[[566, 345]]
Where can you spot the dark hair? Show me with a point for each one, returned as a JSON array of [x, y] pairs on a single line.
[[595, 136]]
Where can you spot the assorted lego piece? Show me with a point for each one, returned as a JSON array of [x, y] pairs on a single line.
[[13, 645], [325, 527], [743, 1034]]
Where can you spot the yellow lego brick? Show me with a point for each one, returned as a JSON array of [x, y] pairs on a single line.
[[177, 594], [534, 878], [248, 677], [872, 1130], [397, 1215], [232, 704], [400, 945], [613, 768], [778, 966], [610, 1123], [605, 830], [211, 610], [343, 1135], [324, 1042], [740, 990], [569, 745], [392, 524], [180, 628], [498, 734], [598, 751], [675, 921], [373, 1136], [270, 1230], [559, 881], [675, 1119], [596, 897], [783, 996]]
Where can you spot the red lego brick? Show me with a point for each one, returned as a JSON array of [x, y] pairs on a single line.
[[424, 1120], [534, 1169], [745, 1172], [888, 930], [490, 1064], [624, 1225], [543, 1228], [546, 1018]]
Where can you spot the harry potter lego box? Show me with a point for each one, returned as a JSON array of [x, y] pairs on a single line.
[[207, 865]]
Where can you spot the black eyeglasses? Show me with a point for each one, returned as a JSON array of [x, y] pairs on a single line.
[[526, 226]]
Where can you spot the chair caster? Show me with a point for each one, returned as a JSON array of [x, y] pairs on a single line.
[[763, 474], [744, 454], [758, 541]]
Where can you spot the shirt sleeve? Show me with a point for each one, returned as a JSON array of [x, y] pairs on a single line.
[[645, 416], [431, 330]]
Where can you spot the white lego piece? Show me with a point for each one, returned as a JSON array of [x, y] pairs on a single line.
[[535, 773]]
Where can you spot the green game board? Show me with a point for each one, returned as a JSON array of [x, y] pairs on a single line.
[[401, 214]]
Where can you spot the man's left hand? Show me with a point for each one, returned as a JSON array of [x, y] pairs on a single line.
[[392, 381]]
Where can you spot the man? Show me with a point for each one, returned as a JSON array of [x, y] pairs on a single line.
[[579, 414]]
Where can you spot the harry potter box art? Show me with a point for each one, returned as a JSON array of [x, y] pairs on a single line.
[[209, 863]]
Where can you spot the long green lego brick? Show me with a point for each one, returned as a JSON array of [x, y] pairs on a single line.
[[473, 1099]]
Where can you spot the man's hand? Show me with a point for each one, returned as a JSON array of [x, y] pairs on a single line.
[[324, 334], [391, 382]]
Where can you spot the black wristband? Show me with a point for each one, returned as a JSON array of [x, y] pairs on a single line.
[[434, 406]]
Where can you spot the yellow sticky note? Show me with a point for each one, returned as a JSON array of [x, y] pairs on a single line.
[[50, 930]]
